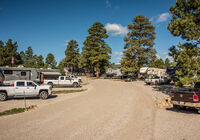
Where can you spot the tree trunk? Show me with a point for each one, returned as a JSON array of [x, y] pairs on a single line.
[[71, 70], [97, 70]]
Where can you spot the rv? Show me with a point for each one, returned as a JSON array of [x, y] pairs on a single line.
[[21, 73]]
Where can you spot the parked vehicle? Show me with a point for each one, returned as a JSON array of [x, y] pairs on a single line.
[[2, 77], [63, 80], [186, 97], [25, 88], [157, 80], [129, 78], [75, 77], [33, 74]]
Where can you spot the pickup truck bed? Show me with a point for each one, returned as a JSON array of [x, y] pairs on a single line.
[[188, 97]]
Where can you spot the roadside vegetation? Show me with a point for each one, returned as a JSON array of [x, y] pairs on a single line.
[[12, 111], [68, 91]]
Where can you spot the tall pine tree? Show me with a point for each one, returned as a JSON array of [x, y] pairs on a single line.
[[9, 51], [72, 55], [186, 24], [139, 49], [50, 61], [186, 20], [96, 53]]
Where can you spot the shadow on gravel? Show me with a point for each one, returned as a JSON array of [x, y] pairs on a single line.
[[162, 88], [32, 98], [184, 110]]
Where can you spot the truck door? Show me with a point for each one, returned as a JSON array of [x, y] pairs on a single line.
[[20, 88], [30, 89], [68, 80], [62, 80]]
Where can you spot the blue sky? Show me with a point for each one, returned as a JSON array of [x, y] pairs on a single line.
[[47, 25]]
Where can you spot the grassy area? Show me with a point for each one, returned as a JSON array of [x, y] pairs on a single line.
[[68, 91], [12, 111]]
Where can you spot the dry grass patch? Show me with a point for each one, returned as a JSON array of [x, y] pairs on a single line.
[[68, 91]]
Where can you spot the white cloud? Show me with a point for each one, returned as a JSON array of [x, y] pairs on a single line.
[[66, 42], [163, 17], [118, 55], [169, 57], [158, 56], [116, 29]]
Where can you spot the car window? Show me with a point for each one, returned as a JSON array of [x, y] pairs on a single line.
[[20, 84], [68, 78], [30, 84], [61, 78]]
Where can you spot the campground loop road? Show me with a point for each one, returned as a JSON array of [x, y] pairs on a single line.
[[110, 110]]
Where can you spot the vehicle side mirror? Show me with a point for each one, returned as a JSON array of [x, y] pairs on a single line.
[[35, 86]]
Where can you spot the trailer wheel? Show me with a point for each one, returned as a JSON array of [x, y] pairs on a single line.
[[3, 96], [43, 95]]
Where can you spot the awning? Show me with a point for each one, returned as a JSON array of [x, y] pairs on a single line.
[[51, 73]]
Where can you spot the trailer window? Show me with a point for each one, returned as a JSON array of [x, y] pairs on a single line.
[[23, 73], [61, 78], [8, 72], [20, 84]]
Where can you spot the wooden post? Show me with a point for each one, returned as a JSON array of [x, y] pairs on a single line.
[[97, 70]]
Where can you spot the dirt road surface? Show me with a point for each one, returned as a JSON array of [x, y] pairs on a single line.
[[108, 110]]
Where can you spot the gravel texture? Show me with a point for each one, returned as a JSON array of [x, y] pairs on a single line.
[[108, 110]]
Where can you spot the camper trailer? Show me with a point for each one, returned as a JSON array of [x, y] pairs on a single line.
[[21, 73]]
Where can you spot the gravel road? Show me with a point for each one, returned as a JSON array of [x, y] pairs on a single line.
[[108, 110]]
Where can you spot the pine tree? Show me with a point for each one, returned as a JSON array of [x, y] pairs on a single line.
[[61, 66], [158, 63], [185, 20], [72, 55], [50, 61], [29, 59], [40, 61], [167, 62], [139, 49], [187, 65], [7, 52], [96, 53], [186, 24]]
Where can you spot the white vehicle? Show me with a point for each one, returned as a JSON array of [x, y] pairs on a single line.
[[63, 80], [75, 77], [25, 88], [157, 80]]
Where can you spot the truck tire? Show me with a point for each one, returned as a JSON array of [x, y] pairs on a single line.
[[43, 95], [75, 84], [50, 83], [3, 96]]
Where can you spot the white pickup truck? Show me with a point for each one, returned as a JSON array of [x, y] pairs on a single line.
[[75, 77], [157, 80], [25, 88], [64, 80]]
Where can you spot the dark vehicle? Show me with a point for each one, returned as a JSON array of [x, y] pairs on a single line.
[[186, 97], [129, 78], [171, 71]]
